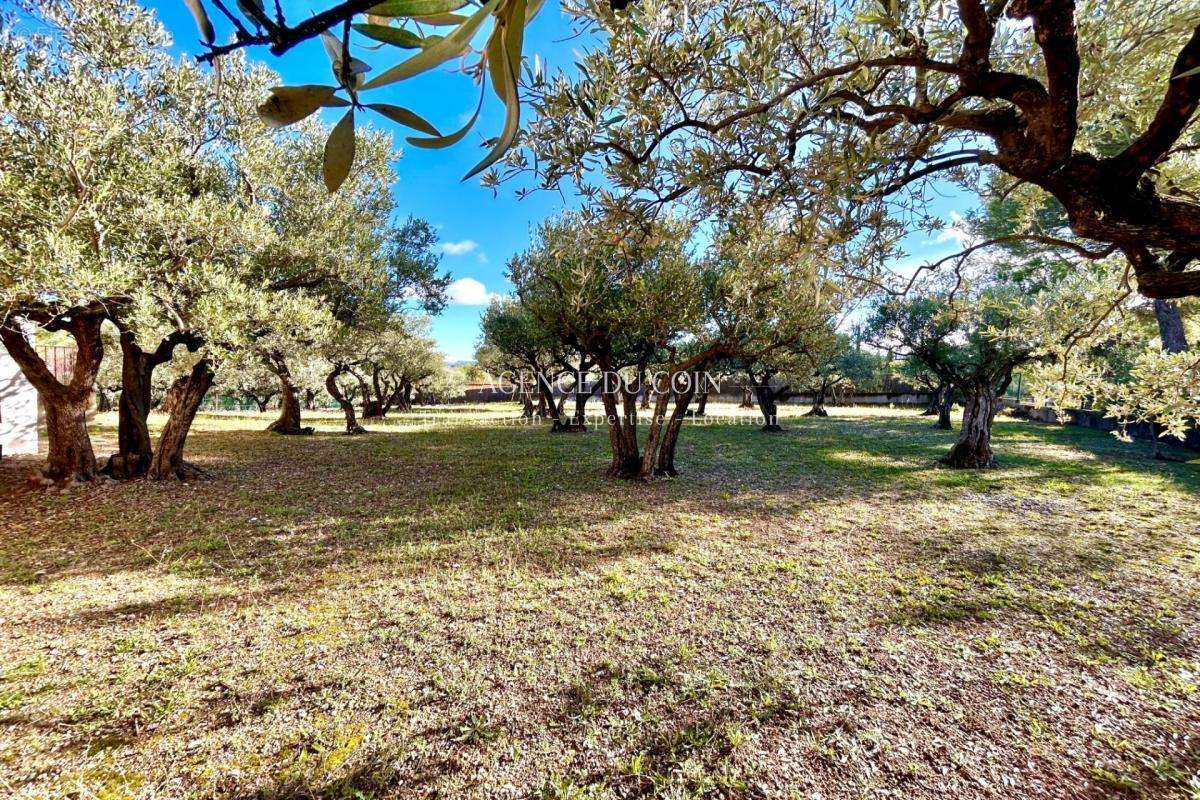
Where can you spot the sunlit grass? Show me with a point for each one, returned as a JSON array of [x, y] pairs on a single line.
[[459, 603]]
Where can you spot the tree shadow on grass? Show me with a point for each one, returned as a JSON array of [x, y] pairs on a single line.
[[287, 510]]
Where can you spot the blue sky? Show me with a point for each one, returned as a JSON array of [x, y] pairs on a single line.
[[479, 229]]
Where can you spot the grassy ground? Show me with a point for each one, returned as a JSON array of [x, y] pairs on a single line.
[[458, 607]]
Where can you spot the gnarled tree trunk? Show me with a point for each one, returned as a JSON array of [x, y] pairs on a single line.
[[931, 408], [818, 404], [370, 406], [261, 402], [405, 395], [528, 407], [767, 406], [288, 423], [622, 435], [973, 450], [376, 406], [944, 402], [583, 393], [134, 447], [335, 391], [70, 455], [658, 456], [644, 390], [578, 421], [189, 393], [1170, 326], [546, 402]]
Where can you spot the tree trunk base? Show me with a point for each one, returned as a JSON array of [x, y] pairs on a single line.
[[125, 467], [941, 425], [772, 428], [568, 427], [629, 469], [278, 426], [357, 430], [187, 471], [966, 458], [816, 411]]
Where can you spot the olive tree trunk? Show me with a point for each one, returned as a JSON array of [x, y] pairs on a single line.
[[583, 393], [944, 402], [973, 450], [189, 393], [547, 405], [335, 391], [658, 457], [135, 450], [768, 407], [288, 423], [818, 403], [622, 435], [931, 408], [134, 447], [578, 421], [1170, 326], [70, 455]]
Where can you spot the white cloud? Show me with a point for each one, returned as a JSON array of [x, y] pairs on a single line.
[[957, 232], [469, 292], [459, 248]]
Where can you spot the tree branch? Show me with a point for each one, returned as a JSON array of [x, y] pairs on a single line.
[[1174, 114]]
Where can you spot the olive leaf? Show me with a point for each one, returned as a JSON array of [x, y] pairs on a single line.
[[504, 59], [333, 49], [339, 152], [435, 54], [415, 8], [207, 34], [288, 104], [389, 35], [405, 117], [450, 138], [441, 20]]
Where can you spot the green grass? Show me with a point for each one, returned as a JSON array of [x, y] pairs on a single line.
[[460, 605]]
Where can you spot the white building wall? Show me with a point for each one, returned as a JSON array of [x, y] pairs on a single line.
[[18, 410]]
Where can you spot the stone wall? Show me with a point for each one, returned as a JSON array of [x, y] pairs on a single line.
[[1086, 418]]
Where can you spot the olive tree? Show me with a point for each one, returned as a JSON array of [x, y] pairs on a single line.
[[622, 289], [513, 343], [86, 132], [971, 341], [1089, 102]]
